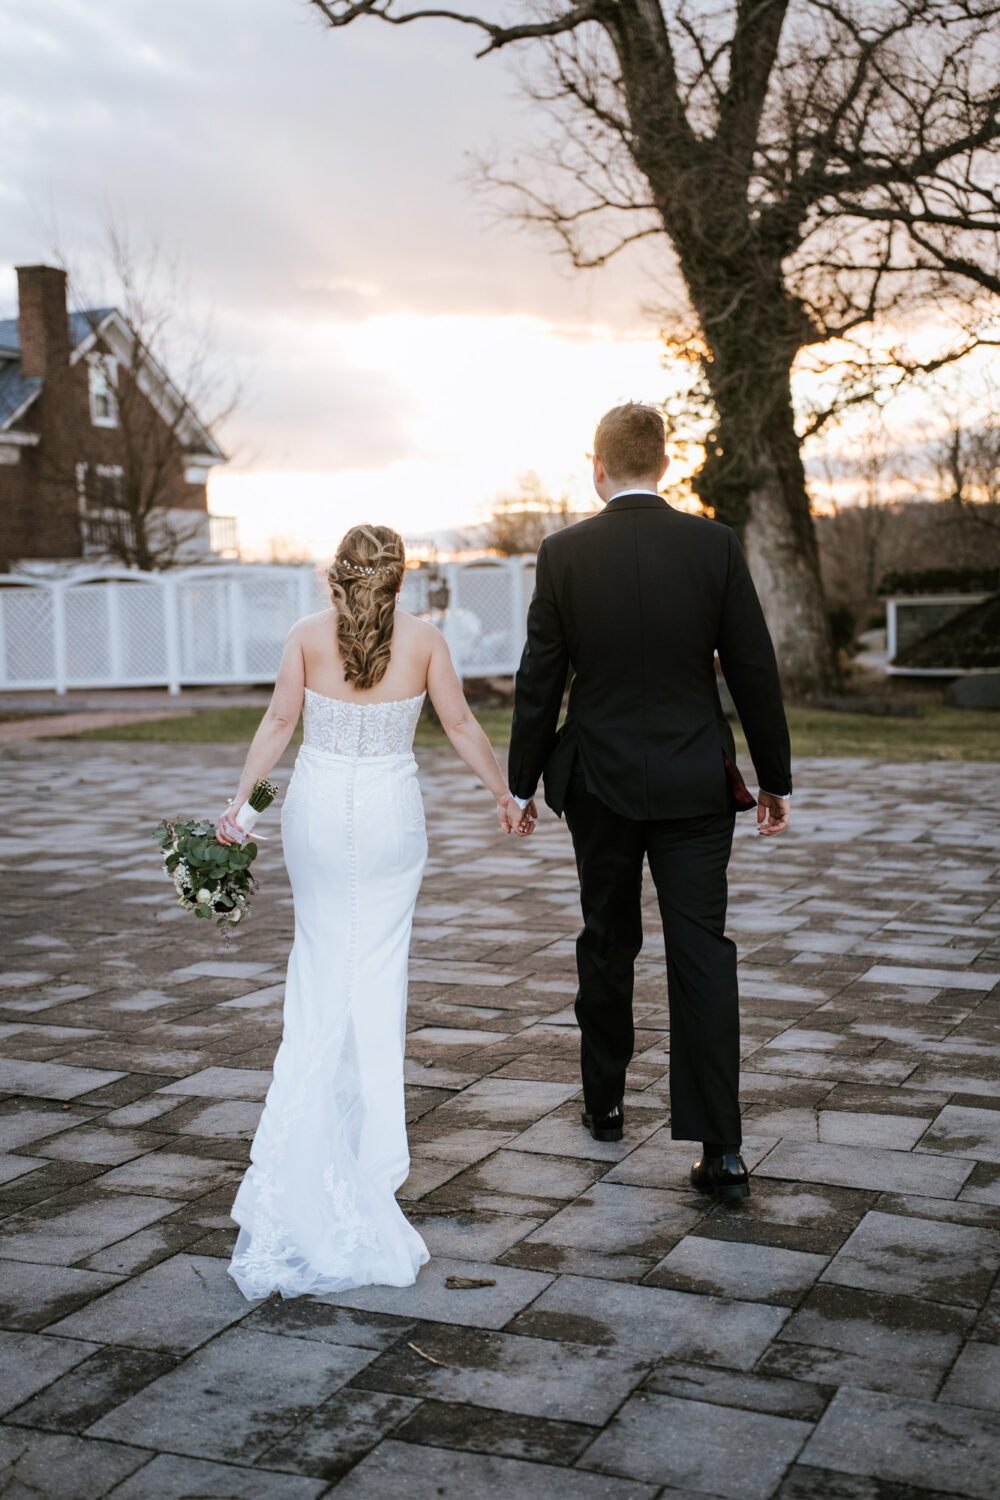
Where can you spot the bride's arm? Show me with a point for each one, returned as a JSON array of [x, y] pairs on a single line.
[[467, 735], [275, 728]]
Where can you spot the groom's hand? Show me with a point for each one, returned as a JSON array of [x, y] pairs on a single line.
[[529, 817], [512, 818], [773, 813]]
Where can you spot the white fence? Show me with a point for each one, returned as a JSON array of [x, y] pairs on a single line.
[[114, 627], [912, 616]]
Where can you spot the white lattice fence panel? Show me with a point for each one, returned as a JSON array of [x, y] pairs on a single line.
[[203, 626], [413, 595], [27, 637], [88, 635], [483, 623], [527, 589], [142, 619], [204, 630], [268, 608]]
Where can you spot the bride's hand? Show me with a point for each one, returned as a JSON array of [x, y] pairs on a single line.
[[227, 830], [512, 818]]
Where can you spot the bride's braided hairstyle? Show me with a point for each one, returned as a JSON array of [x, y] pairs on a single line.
[[364, 578]]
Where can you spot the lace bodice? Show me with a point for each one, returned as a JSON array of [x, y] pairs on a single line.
[[336, 727]]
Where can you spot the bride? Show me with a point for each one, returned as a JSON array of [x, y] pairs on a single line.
[[316, 1209]]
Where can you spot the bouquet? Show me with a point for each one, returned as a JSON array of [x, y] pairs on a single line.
[[213, 879]]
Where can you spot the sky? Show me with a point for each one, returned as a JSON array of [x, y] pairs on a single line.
[[404, 353]]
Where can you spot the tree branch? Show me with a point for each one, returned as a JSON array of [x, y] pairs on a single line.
[[343, 12]]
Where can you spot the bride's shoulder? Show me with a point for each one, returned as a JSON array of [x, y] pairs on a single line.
[[310, 624], [414, 626], [417, 637]]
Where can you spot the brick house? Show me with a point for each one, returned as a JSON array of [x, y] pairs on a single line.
[[82, 411]]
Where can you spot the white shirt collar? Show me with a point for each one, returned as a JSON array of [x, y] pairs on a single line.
[[641, 490]]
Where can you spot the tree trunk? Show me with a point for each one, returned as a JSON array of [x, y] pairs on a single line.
[[753, 480], [762, 495], [788, 582]]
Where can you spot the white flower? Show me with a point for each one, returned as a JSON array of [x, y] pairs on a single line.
[[204, 896], [237, 914]]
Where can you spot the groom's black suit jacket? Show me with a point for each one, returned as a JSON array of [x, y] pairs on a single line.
[[636, 600]]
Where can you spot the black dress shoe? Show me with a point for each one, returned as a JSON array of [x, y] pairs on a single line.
[[605, 1127], [726, 1176]]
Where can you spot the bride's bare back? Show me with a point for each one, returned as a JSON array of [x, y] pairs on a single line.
[[408, 672], [365, 638]]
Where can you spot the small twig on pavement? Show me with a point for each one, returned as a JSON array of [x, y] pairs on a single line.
[[429, 1357]]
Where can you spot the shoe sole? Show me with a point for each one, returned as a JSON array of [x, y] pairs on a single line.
[[729, 1190], [605, 1132]]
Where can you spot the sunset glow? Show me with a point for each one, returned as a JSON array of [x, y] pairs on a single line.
[[482, 401]]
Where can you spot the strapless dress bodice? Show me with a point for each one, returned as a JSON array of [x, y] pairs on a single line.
[[334, 726]]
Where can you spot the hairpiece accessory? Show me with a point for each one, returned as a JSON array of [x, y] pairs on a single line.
[[355, 570]]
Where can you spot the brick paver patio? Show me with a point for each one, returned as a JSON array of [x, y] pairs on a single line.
[[835, 1337]]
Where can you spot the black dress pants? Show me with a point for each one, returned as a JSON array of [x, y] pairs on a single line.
[[688, 858]]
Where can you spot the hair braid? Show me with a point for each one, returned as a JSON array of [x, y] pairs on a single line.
[[364, 580]]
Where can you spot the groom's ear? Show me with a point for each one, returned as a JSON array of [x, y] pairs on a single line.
[[600, 472]]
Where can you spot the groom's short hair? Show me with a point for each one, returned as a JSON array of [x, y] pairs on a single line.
[[631, 440]]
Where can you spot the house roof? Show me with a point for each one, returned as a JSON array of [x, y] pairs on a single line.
[[17, 391], [81, 325]]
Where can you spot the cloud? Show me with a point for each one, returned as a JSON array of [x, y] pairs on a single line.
[[279, 156], [311, 185]]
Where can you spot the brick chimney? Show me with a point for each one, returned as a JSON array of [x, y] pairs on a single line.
[[42, 319]]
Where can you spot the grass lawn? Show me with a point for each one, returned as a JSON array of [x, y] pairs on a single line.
[[939, 734]]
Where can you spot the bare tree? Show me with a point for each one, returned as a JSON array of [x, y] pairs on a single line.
[[287, 550], [518, 523], [135, 509], [916, 502], [854, 537], [968, 468], [810, 165]]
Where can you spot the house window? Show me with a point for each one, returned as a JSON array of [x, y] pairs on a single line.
[[110, 492], [103, 406]]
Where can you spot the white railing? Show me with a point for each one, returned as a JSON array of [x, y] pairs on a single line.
[[191, 537], [909, 617], [115, 627]]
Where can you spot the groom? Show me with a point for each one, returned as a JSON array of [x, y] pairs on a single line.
[[635, 602]]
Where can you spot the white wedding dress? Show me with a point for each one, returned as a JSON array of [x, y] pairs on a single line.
[[316, 1209]]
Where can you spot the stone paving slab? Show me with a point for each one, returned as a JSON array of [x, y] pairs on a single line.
[[171, 1478], [836, 1336], [395, 1468], [693, 1443], [909, 1442], [60, 1466]]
